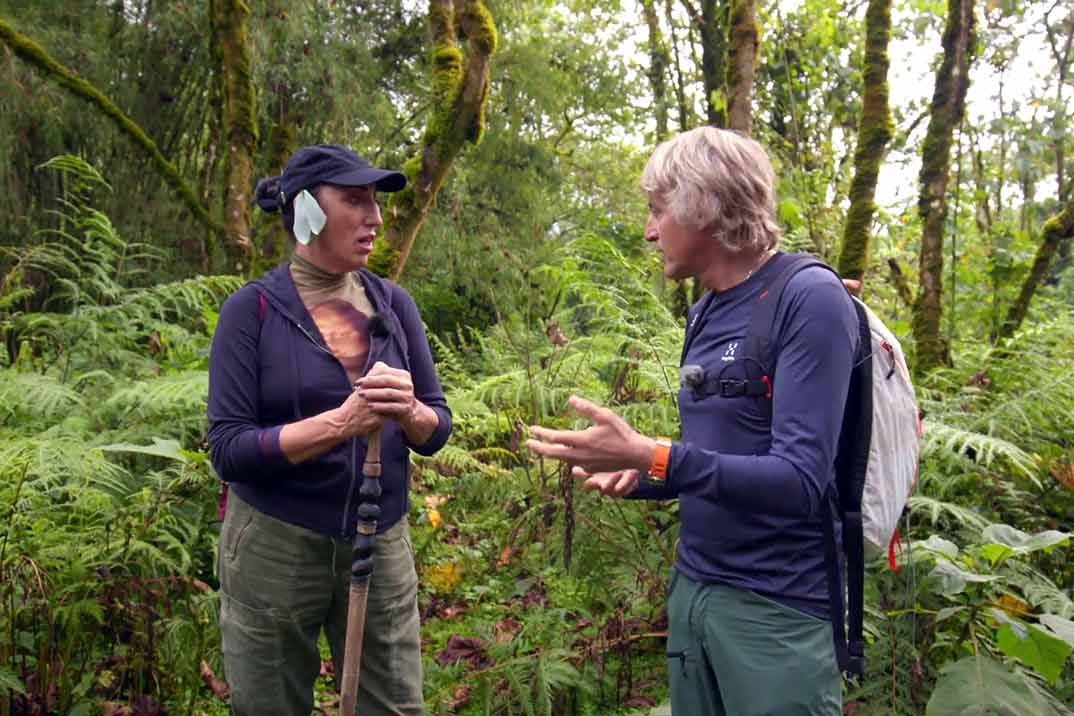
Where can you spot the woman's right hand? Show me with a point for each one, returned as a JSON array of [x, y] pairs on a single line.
[[357, 418]]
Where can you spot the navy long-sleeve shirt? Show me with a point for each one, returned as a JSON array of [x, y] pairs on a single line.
[[750, 489]]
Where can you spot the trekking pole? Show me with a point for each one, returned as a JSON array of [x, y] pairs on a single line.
[[361, 570]]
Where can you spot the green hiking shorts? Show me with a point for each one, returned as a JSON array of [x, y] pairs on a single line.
[[734, 653], [281, 584]]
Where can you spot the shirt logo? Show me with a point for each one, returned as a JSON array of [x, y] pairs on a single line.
[[729, 354]]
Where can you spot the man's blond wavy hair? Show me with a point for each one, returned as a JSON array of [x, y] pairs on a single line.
[[717, 181]]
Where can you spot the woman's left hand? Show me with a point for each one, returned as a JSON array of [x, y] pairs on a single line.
[[388, 391], [609, 445]]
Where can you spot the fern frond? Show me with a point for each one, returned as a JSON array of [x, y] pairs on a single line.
[[932, 510], [978, 447], [39, 397]]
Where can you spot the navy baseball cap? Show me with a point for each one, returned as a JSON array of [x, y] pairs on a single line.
[[333, 164]]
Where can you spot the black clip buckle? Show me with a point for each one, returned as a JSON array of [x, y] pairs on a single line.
[[733, 388]]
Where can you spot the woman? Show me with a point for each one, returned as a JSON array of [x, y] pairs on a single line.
[[306, 362], [748, 612]]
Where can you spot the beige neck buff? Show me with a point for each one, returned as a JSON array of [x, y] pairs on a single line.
[[338, 305]]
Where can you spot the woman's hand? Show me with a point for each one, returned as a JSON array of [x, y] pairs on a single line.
[[357, 415], [389, 393], [610, 445]]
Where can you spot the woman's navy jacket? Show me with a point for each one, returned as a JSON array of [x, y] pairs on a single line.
[[270, 366]]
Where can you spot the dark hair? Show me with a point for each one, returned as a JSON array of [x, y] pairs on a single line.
[[268, 196]]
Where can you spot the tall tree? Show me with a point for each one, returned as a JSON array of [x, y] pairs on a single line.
[[1057, 229], [680, 83], [658, 67], [947, 110], [742, 64], [230, 46], [711, 21], [1060, 36], [874, 132], [460, 85]]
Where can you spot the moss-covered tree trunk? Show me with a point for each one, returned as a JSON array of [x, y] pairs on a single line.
[[232, 54], [658, 67], [36, 56], [948, 107], [273, 241], [680, 83], [874, 132], [742, 64], [1056, 230], [713, 31], [1060, 37], [460, 85]]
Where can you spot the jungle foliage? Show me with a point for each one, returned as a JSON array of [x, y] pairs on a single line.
[[535, 282]]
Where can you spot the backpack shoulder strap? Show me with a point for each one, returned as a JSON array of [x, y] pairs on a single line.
[[843, 502], [851, 466], [759, 345]]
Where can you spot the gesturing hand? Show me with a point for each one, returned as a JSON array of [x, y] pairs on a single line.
[[610, 445], [388, 391], [612, 484]]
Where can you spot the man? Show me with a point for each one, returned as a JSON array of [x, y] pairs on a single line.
[[748, 611]]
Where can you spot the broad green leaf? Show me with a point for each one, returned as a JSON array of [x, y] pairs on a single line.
[[980, 686], [1062, 628], [939, 545], [948, 612], [161, 448], [85, 708], [1021, 542], [952, 579], [1034, 647], [10, 681]]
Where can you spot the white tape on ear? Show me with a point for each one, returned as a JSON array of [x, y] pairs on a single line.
[[309, 218]]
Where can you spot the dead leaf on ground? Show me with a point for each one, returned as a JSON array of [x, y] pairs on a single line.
[[459, 698], [506, 630], [505, 556], [469, 649]]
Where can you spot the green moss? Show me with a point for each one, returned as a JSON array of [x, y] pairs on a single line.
[[442, 20], [874, 132], [481, 29], [35, 55], [447, 63]]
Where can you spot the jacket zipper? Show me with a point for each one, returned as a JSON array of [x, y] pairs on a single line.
[[353, 440]]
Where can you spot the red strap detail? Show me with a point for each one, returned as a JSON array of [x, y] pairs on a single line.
[[768, 382], [261, 305], [894, 546]]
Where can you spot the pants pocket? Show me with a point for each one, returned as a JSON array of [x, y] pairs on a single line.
[[255, 666]]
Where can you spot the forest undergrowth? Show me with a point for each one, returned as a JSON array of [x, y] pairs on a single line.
[[536, 597]]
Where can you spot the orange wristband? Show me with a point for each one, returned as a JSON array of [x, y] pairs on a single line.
[[658, 469]]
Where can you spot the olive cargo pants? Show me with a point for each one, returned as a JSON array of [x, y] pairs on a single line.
[[280, 584]]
